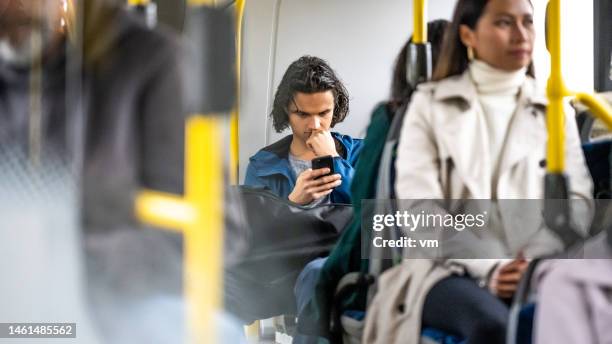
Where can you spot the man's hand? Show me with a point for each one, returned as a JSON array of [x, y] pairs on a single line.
[[308, 188], [322, 143], [504, 281]]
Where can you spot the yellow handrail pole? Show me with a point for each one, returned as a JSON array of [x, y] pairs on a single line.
[[204, 239], [419, 13], [598, 107], [203, 267], [138, 2], [555, 91], [164, 210], [235, 116], [200, 214], [203, 262]]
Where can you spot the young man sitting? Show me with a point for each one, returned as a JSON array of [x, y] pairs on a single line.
[[311, 100]]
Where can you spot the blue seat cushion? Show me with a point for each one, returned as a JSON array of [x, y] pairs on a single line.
[[441, 337], [431, 333], [597, 155], [525, 324]]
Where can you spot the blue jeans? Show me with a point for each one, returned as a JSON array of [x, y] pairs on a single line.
[[304, 292]]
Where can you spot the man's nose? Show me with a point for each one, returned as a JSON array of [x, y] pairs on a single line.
[[314, 122]]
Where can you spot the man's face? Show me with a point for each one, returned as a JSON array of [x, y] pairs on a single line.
[[310, 112], [20, 20]]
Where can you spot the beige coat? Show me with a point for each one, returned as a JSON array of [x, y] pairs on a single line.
[[443, 154]]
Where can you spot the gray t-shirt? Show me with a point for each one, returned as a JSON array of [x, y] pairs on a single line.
[[298, 166]]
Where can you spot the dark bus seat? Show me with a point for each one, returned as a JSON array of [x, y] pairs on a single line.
[[272, 240]]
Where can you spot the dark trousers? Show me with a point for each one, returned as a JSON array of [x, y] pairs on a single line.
[[458, 306]]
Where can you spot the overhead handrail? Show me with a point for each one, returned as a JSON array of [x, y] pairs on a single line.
[[599, 107]]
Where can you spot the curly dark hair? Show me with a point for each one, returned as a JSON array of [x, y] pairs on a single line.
[[308, 74]]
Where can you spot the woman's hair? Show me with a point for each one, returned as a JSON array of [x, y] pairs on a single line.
[[401, 91], [308, 74], [453, 58]]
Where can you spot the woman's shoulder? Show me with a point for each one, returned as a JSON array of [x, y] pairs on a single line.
[[452, 85]]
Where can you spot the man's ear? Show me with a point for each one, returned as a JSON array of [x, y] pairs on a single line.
[[467, 36]]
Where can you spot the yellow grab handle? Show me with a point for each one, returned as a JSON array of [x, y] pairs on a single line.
[[419, 13], [555, 152], [599, 108]]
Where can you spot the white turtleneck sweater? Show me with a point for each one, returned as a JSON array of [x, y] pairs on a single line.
[[498, 94]]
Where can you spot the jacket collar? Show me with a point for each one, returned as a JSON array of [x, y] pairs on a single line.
[[526, 131], [462, 87], [280, 148], [274, 159]]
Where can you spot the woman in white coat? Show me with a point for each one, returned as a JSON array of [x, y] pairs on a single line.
[[477, 132]]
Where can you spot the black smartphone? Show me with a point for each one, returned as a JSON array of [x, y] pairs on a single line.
[[322, 162]]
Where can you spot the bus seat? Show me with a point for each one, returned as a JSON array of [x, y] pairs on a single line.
[[597, 155]]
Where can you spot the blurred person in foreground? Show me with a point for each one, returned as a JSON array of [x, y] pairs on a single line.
[[122, 127]]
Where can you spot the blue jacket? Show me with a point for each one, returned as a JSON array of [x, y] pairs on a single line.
[[270, 167]]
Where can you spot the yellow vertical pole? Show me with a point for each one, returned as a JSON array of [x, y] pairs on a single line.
[[555, 91], [200, 215], [419, 34], [204, 237], [235, 116], [204, 240], [203, 256]]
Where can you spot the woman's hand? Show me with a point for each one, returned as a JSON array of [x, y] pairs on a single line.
[[505, 279]]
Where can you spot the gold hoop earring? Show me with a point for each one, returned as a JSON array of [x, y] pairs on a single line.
[[470, 53]]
